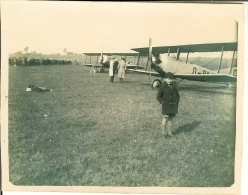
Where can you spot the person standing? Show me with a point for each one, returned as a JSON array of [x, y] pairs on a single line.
[[116, 63], [121, 69], [169, 97], [111, 70]]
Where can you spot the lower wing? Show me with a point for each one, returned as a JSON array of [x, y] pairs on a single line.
[[146, 72], [99, 65], [133, 67], [91, 65], [208, 77], [195, 77]]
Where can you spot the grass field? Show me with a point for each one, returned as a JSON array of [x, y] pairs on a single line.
[[90, 132]]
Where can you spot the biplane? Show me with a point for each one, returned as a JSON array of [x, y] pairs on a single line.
[[184, 69], [104, 61]]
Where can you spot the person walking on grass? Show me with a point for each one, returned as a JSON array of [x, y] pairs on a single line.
[[169, 97], [111, 70], [121, 69]]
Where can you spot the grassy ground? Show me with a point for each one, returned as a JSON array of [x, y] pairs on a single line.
[[91, 132]]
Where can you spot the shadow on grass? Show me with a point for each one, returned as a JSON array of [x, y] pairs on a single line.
[[187, 127]]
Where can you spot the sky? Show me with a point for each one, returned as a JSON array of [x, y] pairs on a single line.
[[49, 27]]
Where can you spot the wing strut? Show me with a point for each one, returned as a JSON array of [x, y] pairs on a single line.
[[232, 62], [150, 57], [147, 63], [137, 63], [187, 57], [178, 53], [221, 58], [179, 81], [169, 51], [85, 59], [101, 62]]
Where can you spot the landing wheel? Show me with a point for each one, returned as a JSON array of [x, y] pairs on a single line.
[[101, 70], [156, 84]]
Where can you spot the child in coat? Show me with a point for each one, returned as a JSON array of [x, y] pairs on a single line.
[[169, 97]]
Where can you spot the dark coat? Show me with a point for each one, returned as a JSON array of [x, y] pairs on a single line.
[[169, 97], [115, 66]]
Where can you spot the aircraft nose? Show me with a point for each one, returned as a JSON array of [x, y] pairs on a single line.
[[156, 59]]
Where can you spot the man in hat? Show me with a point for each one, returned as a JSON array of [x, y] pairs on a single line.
[[169, 97], [116, 63]]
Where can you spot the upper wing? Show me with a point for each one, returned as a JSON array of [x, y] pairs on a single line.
[[92, 54], [110, 54], [208, 47]]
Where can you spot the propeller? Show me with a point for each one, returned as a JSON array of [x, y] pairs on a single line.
[[150, 49], [150, 58]]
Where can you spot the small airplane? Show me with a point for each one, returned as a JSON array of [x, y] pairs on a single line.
[[184, 70], [105, 58]]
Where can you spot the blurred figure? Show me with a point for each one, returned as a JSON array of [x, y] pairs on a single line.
[[116, 63], [111, 70], [121, 69], [23, 61]]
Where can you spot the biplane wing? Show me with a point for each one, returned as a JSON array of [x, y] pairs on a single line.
[[208, 47], [129, 66], [92, 65], [155, 74], [185, 70], [112, 54], [105, 61], [99, 66], [221, 78]]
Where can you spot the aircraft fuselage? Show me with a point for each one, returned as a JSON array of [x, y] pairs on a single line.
[[164, 63]]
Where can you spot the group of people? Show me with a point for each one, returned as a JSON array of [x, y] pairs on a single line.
[[30, 61], [117, 67]]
